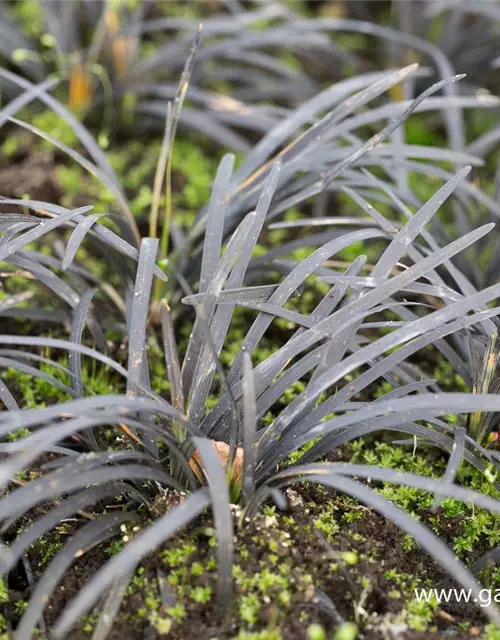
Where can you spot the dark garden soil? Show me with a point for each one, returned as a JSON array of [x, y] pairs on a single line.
[[33, 174], [363, 572]]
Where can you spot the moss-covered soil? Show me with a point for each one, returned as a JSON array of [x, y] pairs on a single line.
[[324, 561]]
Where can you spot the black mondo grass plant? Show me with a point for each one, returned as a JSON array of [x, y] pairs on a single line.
[[209, 442], [117, 63], [95, 56], [114, 61], [324, 159]]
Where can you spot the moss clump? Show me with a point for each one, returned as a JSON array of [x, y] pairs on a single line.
[[492, 632], [4, 592], [265, 588], [29, 16], [4, 598], [33, 391], [348, 631], [315, 632], [46, 547], [470, 527], [260, 635], [193, 173]]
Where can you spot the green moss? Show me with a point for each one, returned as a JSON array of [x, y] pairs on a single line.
[[419, 131], [249, 609], [4, 592], [178, 556], [17, 435], [476, 526], [315, 632], [115, 547], [162, 619], [198, 169], [420, 614], [448, 379], [28, 15], [38, 392], [350, 253], [417, 615], [326, 522], [202, 595], [10, 147], [163, 622], [51, 123], [272, 581], [260, 635], [90, 622], [236, 334], [46, 547], [295, 456], [349, 557], [347, 631], [193, 171], [269, 582], [20, 606], [492, 632]]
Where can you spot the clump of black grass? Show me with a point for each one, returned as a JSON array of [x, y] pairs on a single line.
[[121, 60], [337, 350], [474, 46], [324, 160], [98, 58]]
